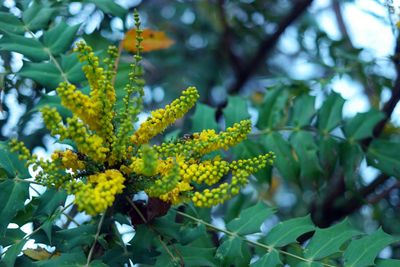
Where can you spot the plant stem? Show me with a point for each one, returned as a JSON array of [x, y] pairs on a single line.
[[95, 239], [254, 243]]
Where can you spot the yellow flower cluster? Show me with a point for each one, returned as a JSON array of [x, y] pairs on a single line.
[[207, 141], [160, 119], [99, 192], [109, 155], [69, 160]]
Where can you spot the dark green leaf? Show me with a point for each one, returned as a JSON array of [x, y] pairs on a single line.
[[330, 114], [12, 253], [203, 118], [384, 155], [12, 236], [11, 163], [72, 238], [37, 16], [235, 111], [270, 259], [362, 124], [307, 152], [362, 252], [12, 198], [50, 200], [29, 47], [258, 214], [10, 23], [273, 108], [201, 257], [233, 252], [288, 231], [303, 110], [286, 164], [328, 241], [59, 38]]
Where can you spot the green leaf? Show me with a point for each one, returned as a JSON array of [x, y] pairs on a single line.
[[12, 236], [12, 198], [233, 252], [350, 155], [29, 47], [384, 155], [307, 152], [45, 74], [286, 164], [191, 255], [59, 38], [387, 263], [203, 118], [37, 16], [330, 114], [273, 108], [12, 253], [109, 7], [362, 125], [288, 231], [50, 200], [10, 23], [235, 111], [258, 214], [68, 239], [328, 241], [11, 163], [303, 110], [270, 259], [48, 75], [362, 252]]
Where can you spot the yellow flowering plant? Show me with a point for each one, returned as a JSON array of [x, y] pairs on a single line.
[[111, 157]]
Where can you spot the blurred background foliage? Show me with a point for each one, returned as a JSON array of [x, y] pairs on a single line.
[[271, 61]]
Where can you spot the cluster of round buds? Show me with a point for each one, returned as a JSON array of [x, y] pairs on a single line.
[[69, 160], [99, 192], [160, 119], [208, 172]]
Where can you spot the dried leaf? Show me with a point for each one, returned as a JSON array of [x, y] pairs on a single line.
[[152, 40]]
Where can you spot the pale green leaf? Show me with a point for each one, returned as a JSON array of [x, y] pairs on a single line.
[[203, 118], [362, 125]]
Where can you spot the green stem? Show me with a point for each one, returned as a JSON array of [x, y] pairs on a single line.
[[95, 239], [254, 243]]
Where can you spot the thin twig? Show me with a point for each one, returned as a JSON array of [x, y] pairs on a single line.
[[95, 239], [268, 44]]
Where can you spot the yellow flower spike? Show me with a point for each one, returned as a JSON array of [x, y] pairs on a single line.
[[99, 193], [80, 104], [69, 160], [208, 141], [160, 119], [175, 195], [208, 172]]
